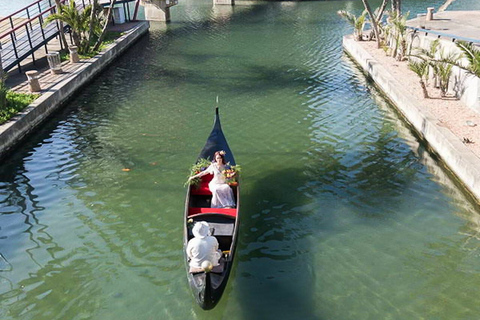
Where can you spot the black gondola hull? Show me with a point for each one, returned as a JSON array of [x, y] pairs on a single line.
[[209, 288]]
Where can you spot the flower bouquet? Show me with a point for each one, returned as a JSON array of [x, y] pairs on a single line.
[[198, 167], [231, 174]]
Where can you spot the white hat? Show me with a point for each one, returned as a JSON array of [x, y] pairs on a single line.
[[201, 229]]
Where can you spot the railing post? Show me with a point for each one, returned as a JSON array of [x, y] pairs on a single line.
[[13, 27], [41, 27], [39, 7], [28, 17], [30, 43], [59, 35], [12, 37]]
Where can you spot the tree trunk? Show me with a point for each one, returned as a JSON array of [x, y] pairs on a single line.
[[397, 6], [104, 30], [76, 41], [424, 88], [63, 39], [381, 11], [93, 16], [379, 16], [373, 21]]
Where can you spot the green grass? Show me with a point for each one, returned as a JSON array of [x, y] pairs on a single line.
[[16, 102], [109, 38]]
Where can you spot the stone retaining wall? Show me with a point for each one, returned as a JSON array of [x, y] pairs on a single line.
[[12, 132], [461, 161]]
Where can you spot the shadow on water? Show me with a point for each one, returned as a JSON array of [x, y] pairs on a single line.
[[274, 274]]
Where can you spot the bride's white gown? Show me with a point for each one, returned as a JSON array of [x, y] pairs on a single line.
[[221, 191]]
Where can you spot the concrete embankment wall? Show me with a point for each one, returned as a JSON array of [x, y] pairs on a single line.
[[461, 160], [12, 132]]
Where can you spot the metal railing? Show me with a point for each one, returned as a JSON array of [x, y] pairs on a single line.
[[440, 34], [23, 32]]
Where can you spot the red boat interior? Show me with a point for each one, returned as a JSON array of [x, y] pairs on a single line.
[[221, 220], [201, 197]]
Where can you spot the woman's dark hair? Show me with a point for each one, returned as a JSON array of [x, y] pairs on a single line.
[[221, 154]]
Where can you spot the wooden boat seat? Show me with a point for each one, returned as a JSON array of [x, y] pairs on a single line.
[[198, 211], [202, 188]]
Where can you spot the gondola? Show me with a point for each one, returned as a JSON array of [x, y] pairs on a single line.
[[208, 287]]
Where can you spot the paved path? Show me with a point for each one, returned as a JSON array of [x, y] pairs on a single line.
[[452, 24], [17, 81]]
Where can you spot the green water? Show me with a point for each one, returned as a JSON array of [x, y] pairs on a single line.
[[345, 215]]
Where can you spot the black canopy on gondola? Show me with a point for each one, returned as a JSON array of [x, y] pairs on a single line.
[[217, 142]]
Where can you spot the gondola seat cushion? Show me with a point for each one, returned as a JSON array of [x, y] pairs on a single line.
[[202, 188]]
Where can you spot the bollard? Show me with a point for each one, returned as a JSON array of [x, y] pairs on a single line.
[[73, 54], [54, 62], [430, 13], [32, 77]]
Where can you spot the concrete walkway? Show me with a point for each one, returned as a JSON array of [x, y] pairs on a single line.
[[451, 25], [58, 88], [458, 158]]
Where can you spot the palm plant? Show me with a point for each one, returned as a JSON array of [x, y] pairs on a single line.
[[78, 22], [63, 39], [472, 54], [440, 63], [85, 24], [102, 31], [358, 23], [421, 69], [443, 71], [397, 30]]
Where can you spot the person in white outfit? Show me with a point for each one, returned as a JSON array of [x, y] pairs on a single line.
[[203, 247], [222, 194]]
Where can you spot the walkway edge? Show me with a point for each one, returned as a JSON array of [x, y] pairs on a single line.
[[459, 159], [13, 131]]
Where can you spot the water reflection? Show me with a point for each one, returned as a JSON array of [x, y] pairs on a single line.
[[345, 215]]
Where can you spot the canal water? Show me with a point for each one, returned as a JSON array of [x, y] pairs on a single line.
[[345, 213]]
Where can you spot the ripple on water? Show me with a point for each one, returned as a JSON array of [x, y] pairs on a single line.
[[341, 205]]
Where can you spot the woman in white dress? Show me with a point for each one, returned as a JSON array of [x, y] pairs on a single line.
[[222, 194]]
